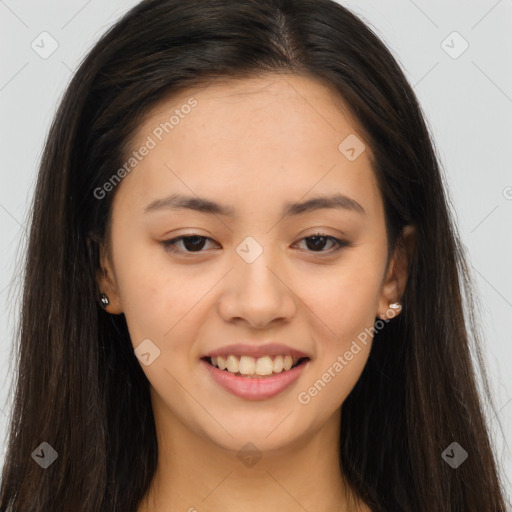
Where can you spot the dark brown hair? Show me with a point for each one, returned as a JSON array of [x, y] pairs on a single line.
[[79, 386]]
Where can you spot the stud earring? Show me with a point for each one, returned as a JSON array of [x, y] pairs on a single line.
[[104, 300], [396, 306]]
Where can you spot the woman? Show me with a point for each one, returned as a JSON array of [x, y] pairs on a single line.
[[243, 285]]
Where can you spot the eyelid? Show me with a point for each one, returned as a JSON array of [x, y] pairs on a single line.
[[169, 245], [339, 243]]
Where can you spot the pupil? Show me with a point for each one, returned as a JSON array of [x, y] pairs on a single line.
[[199, 242], [316, 238]]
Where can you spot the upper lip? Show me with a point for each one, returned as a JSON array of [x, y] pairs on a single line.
[[270, 349]]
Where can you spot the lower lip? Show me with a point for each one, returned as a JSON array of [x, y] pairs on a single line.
[[255, 388]]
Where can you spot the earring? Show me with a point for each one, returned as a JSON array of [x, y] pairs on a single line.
[[396, 306], [104, 300]]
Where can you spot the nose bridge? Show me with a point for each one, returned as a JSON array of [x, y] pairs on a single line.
[[256, 279], [257, 291]]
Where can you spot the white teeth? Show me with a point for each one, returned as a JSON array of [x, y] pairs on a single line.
[[278, 364], [264, 365], [232, 364], [247, 365]]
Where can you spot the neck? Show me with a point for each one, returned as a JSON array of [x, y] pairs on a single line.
[[195, 474]]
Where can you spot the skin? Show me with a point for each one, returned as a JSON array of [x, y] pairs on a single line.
[[254, 145]]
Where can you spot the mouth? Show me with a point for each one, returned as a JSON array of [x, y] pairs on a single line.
[[255, 368], [256, 379]]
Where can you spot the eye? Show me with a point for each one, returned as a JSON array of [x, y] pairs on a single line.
[[195, 243], [192, 243], [318, 241]]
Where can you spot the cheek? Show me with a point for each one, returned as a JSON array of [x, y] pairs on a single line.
[[345, 300], [345, 296], [154, 295], [163, 302], [346, 304]]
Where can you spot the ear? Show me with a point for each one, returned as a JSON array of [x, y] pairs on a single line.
[[393, 286], [105, 278]]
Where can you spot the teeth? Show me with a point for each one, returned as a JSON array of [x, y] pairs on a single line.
[[232, 364], [264, 366], [247, 365], [278, 364], [221, 363]]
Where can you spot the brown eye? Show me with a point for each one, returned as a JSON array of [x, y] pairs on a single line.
[[195, 243], [318, 241], [191, 243]]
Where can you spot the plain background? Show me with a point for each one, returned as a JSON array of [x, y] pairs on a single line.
[[467, 101]]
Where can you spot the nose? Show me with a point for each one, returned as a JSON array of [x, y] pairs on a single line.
[[257, 293]]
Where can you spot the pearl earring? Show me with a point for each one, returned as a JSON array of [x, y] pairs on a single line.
[[104, 300]]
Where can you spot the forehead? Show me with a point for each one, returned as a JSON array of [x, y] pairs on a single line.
[[239, 100], [252, 138]]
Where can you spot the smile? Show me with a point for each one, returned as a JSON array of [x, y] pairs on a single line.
[[255, 379]]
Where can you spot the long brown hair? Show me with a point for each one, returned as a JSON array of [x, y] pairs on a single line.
[[79, 386]]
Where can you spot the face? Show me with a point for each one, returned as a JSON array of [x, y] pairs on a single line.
[[251, 267]]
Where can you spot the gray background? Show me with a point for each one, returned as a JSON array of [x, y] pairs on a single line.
[[467, 101]]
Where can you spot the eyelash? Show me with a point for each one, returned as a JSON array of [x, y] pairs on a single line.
[[169, 245]]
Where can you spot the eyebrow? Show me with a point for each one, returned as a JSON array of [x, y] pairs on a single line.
[[207, 206]]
